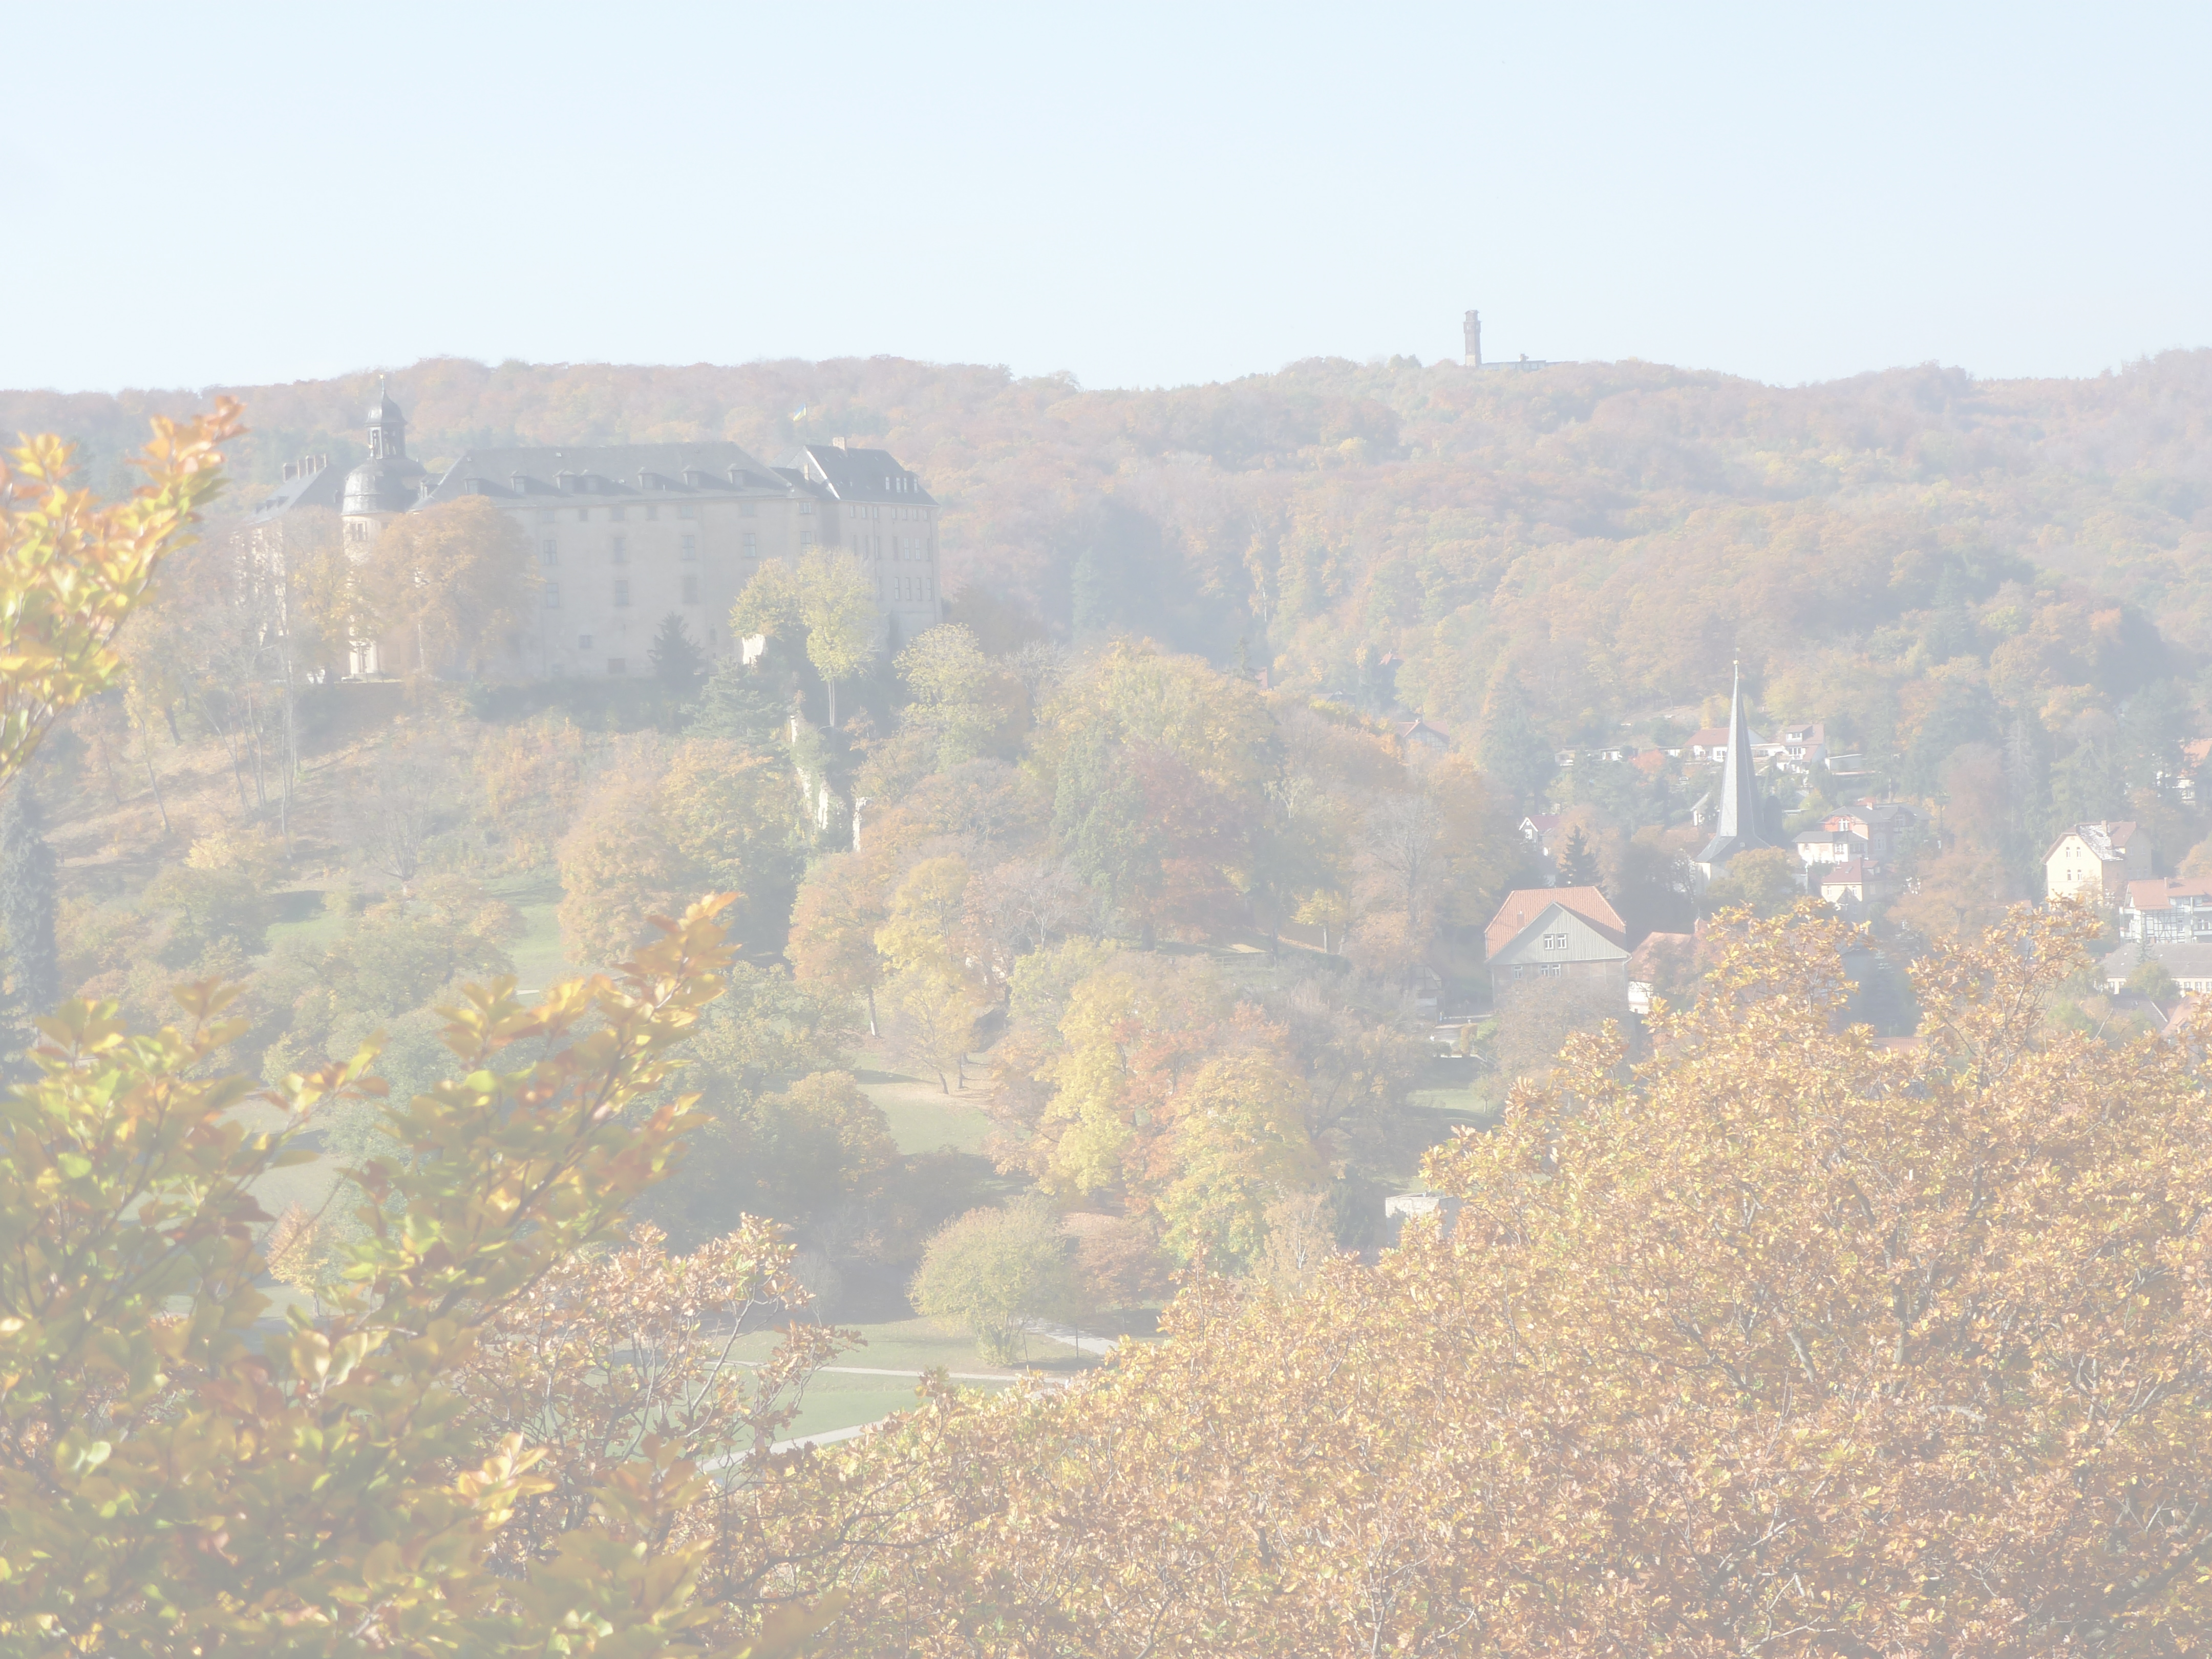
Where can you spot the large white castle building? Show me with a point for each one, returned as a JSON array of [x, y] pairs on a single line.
[[623, 534]]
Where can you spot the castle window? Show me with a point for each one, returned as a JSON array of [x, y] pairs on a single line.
[[685, 510], [690, 548], [690, 590], [752, 545], [621, 550], [552, 596], [622, 594], [549, 553]]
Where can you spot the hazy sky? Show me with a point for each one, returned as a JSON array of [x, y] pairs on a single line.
[[1139, 195]]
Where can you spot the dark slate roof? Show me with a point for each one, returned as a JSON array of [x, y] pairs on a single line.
[[388, 483], [2182, 959], [612, 472], [856, 475], [318, 489]]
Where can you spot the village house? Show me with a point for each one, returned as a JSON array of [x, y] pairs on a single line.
[[2167, 907], [1883, 826], [1798, 748], [1848, 884], [1711, 745], [621, 536], [2189, 963], [2094, 862], [1541, 830], [1659, 958], [1556, 933], [1422, 737], [1830, 847], [2183, 779]]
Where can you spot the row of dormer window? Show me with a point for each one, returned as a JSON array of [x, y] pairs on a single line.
[[652, 510]]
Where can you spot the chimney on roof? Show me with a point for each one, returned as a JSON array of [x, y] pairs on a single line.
[[291, 471]]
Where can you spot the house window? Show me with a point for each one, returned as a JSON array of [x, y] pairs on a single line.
[[652, 512], [583, 515], [545, 515], [618, 665], [690, 590], [617, 513], [621, 550], [752, 545], [1555, 941], [552, 596], [690, 548], [549, 553], [806, 538], [806, 510], [583, 642], [746, 510], [685, 510], [622, 594]]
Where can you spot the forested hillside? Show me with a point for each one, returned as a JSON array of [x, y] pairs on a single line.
[[1610, 536], [1105, 956]]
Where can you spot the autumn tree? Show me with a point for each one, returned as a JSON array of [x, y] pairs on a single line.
[[829, 596], [668, 819], [993, 1272], [1783, 1338], [450, 588], [175, 1481]]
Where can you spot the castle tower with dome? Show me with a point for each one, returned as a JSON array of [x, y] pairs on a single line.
[[387, 484]]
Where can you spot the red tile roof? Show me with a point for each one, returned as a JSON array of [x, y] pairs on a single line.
[[1524, 904], [2159, 893]]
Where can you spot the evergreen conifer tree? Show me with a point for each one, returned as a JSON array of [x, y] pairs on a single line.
[[677, 662], [29, 906], [741, 702], [1577, 861]]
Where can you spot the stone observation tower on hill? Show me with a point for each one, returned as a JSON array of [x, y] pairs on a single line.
[[1473, 328]]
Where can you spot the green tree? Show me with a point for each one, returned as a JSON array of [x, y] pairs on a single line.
[[992, 1272], [28, 905], [830, 596], [1512, 750], [956, 693], [740, 703], [677, 662], [1577, 861], [1769, 880]]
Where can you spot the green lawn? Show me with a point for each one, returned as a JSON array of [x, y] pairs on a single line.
[[537, 954], [922, 1116], [845, 1394]]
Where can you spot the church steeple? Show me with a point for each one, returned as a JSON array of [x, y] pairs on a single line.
[[387, 429], [1738, 829]]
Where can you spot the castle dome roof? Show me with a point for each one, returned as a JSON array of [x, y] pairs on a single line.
[[383, 483]]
